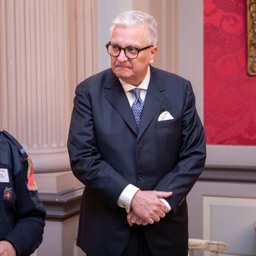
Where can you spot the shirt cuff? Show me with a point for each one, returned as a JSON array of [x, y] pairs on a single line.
[[126, 197], [166, 204]]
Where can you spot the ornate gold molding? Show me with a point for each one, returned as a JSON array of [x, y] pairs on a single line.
[[251, 37]]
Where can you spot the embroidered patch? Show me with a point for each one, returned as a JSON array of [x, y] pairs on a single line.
[[7, 194]]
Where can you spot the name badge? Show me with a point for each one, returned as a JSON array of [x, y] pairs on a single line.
[[4, 176]]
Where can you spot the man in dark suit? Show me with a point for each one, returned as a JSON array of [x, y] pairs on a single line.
[[138, 152]]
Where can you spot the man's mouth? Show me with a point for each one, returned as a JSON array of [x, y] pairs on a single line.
[[121, 67]]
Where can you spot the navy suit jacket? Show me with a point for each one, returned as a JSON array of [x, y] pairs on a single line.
[[107, 153]]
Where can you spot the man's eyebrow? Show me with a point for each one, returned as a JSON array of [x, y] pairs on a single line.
[[133, 46]]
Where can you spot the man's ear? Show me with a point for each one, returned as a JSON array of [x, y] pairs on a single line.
[[153, 53]]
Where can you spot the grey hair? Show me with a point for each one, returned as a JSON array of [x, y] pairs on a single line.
[[135, 18]]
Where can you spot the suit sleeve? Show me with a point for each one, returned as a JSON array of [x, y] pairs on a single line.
[[85, 157], [191, 157]]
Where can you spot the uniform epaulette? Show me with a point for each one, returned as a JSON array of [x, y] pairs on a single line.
[[17, 144], [30, 172]]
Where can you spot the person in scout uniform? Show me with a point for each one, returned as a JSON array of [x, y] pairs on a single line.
[[22, 215]]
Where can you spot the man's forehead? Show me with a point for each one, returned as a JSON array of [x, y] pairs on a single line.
[[129, 36]]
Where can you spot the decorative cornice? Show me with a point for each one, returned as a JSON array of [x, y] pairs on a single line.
[[62, 205], [220, 174]]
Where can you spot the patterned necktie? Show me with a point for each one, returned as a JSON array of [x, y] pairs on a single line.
[[137, 107]]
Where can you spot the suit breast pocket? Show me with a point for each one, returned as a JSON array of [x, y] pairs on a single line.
[[169, 131], [168, 123]]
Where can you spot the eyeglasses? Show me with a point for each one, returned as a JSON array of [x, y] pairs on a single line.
[[129, 51]]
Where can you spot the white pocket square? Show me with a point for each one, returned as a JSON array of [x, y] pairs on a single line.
[[165, 116]]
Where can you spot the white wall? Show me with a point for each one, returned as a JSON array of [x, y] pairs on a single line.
[[191, 47], [107, 11]]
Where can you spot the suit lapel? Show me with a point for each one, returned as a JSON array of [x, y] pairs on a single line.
[[117, 98], [154, 100]]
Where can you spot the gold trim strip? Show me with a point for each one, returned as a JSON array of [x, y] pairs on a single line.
[[251, 37]]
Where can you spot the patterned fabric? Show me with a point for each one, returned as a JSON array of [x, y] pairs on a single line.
[[229, 93], [137, 106]]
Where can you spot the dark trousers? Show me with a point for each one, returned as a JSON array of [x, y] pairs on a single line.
[[137, 245]]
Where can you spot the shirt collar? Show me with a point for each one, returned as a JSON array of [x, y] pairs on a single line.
[[144, 84]]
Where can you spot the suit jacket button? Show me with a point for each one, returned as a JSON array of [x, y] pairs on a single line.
[[139, 177]]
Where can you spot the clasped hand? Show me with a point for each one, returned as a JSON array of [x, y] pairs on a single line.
[[146, 208], [6, 249]]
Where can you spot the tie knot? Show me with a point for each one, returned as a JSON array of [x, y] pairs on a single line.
[[137, 93]]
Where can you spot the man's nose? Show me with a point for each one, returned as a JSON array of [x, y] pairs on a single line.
[[122, 57]]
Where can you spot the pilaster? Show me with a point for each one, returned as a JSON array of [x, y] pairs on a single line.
[[46, 48]]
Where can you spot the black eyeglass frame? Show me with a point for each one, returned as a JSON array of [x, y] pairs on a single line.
[[121, 48]]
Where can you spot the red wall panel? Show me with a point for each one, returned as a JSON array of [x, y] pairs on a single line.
[[229, 92]]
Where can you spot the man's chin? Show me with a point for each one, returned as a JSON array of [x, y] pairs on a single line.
[[122, 73]]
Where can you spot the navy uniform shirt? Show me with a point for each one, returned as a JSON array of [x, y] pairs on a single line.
[[22, 215]]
